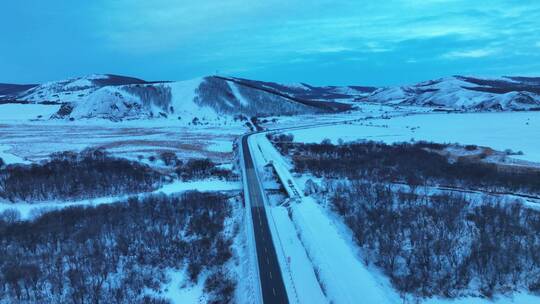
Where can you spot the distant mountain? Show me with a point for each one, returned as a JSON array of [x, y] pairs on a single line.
[[118, 97], [10, 91], [214, 97], [303, 91], [75, 89], [466, 93]]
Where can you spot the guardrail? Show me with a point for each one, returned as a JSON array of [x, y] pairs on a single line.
[[287, 184]]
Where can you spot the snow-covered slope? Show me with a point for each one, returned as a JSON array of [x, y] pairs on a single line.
[[74, 89], [136, 101], [214, 97], [205, 98], [304, 90], [9, 91], [118, 97], [466, 93], [333, 96]]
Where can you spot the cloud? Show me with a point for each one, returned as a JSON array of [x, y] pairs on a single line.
[[476, 53], [244, 34], [325, 49], [278, 25], [189, 38], [150, 26]]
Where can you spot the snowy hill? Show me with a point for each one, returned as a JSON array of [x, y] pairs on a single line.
[[214, 97], [206, 98], [209, 98], [308, 92], [466, 93], [8, 91], [73, 90]]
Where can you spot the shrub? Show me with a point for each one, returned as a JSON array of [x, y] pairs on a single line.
[[442, 244], [405, 162], [114, 253], [68, 175], [169, 158]]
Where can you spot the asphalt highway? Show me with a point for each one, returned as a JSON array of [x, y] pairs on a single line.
[[273, 288]]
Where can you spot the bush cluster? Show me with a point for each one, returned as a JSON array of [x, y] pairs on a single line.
[[68, 176], [116, 253]]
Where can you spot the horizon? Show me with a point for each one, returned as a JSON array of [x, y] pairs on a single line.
[[265, 80], [325, 43]]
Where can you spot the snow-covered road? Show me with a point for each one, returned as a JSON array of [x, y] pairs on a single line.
[[331, 269]]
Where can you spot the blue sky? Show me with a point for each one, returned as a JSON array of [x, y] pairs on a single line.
[[383, 42]]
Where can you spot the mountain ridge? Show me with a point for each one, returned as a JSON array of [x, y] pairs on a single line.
[[118, 97], [507, 93]]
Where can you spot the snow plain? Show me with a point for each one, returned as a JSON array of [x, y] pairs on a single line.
[[10, 112], [36, 140], [8, 157], [518, 131]]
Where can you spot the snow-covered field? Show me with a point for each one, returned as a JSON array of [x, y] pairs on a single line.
[[35, 140], [519, 298], [518, 131], [179, 290], [363, 111], [26, 136], [10, 112], [10, 158]]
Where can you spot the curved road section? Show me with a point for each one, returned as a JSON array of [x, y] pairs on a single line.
[[271, 280]]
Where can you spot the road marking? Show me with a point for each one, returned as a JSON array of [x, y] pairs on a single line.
[[255, 195]]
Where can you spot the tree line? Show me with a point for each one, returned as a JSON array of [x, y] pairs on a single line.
[[95, 173], [410, 163], [68, 175]]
